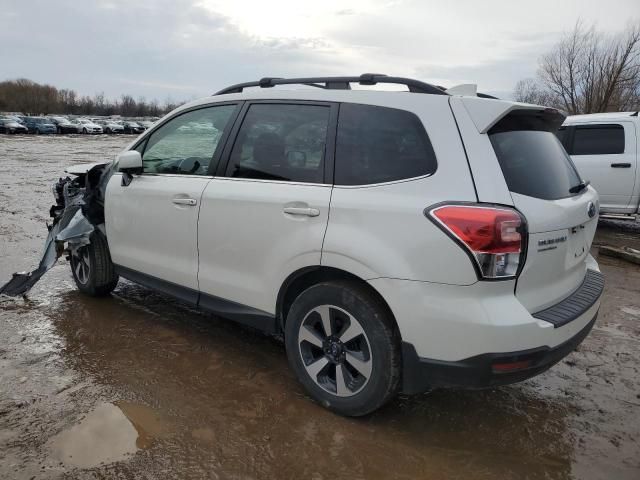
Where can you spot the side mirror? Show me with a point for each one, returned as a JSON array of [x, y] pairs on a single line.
[[129, 162]]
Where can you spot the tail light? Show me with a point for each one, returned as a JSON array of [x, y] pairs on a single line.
[[494, 237]]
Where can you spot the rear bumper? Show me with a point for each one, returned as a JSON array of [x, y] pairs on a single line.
[[454, 335], [421, 374]]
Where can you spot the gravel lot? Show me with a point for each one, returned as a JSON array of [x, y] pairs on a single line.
[[140, 386]]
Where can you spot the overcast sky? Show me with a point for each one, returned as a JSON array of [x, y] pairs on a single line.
[[190, 48]]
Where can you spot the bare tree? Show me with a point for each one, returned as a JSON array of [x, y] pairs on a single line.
[[589, 72], [26, 96], [530, 90]]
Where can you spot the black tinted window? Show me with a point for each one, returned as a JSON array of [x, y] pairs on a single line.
[[281, 142], [598, 140], [534, 163], [561, 133], [378, 144]]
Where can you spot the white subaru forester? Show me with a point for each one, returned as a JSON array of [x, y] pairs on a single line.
[[400, 241]]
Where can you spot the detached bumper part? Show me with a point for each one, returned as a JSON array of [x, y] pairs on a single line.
[[78, 209]]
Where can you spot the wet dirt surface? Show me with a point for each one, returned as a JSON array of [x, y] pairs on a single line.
[[140, 386]]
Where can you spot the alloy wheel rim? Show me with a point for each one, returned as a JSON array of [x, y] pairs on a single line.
[[82, 267], [335, 350]]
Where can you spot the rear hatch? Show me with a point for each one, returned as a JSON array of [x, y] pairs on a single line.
[[561, 212]]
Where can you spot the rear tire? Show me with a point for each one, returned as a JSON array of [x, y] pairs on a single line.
[[354, 368], [92, 267]]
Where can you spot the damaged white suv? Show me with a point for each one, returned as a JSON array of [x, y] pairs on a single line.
[[400, 241]]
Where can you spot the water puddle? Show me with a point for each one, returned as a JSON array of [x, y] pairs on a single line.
[[110, 433]]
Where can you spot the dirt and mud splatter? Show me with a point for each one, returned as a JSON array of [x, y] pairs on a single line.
[[140, 386]]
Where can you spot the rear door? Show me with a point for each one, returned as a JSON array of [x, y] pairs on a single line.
[[152, 222], [265, 214], [605, 154]]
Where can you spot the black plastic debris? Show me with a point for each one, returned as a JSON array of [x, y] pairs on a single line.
[[79, 206]]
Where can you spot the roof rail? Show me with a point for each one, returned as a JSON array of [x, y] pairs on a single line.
[[338, 83]]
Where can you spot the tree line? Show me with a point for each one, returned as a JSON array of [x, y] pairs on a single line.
[[26, 96], [588, 71]]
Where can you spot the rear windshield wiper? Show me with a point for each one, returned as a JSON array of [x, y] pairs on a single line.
[[581, 186]]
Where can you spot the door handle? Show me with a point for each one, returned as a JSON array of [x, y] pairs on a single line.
[[309, 212], [192, 202], [620, 165]]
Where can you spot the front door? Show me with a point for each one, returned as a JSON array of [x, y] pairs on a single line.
[[265, 216], [152, 223]]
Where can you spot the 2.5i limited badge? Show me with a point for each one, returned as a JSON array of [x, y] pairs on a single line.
[[550, 243]]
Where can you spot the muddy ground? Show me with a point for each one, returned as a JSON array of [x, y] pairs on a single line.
[[140, 386]]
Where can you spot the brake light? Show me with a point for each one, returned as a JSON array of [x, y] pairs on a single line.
[[493, 236]]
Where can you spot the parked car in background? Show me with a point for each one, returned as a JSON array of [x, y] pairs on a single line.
[[131, 127], [110, 126], [15, 118], [146, 124], [87, 126], [9, 125], [63, 125], [39, 125], [604, 149]]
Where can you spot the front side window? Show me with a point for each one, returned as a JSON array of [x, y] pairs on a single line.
[[283, 142], [379, 144], [598, 140], [186, 144]]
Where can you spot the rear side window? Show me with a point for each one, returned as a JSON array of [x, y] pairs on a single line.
[[532, 159], [379, 144], [598, 140]]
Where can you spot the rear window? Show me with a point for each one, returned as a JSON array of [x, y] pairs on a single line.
[[598, 140], [534, 163], [379, 144]]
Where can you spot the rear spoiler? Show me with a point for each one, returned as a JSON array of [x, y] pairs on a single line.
[[486, 113]]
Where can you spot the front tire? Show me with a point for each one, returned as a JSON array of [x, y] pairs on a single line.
[[92, 268], [344, 347]]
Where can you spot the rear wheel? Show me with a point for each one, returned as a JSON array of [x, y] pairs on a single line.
[[344, 348], [92, 268]]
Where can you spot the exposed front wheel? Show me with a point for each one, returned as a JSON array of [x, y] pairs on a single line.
[[344, 348], [92, 268]]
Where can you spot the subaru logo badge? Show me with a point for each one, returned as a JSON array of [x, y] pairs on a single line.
[[591, 210]]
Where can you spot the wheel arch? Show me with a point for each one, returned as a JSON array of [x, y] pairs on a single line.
[[306, 277]]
